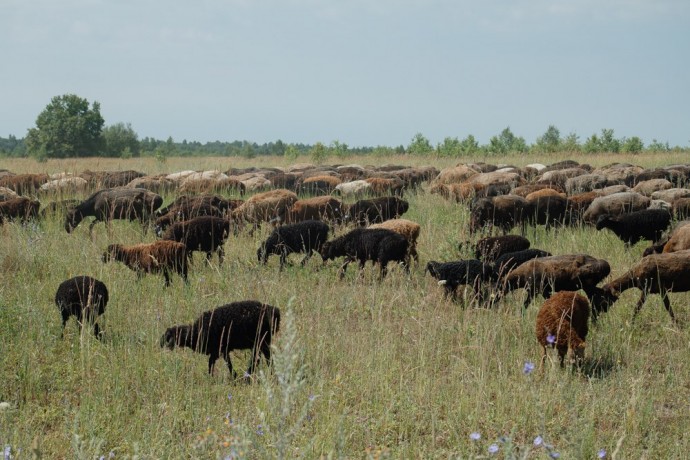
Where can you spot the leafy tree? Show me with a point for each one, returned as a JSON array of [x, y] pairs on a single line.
[[318, 153], [339, 149], [592, 144], [291, 152], [632, 145], [571, 143], [450, 147], [67, 127], [469, 145], [657, 146], [550, 141], [506, 142], [120, 137], [608, 142], [420, 145]]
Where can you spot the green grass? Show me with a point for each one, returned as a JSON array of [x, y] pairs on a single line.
[[367, 369]]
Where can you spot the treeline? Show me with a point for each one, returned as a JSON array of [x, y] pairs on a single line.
[[121, 141]]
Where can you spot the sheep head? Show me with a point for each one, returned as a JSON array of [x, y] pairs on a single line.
[[72, 219], [603, 221], [179, 336]]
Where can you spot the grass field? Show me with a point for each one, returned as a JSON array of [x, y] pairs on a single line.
[[361, 369]]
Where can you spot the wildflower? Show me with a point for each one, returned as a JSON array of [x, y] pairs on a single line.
[[493, 448], [554, 454], [312, 397], [247, 375], [550, 339], [229, 396], [8, 453], [538, 441], [528, 368], [475, 436], [601, 453], [260, 430]]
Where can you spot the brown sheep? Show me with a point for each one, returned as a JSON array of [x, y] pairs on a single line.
[[319, 184], [325, 208], [562, 324], [654, 274], [525, 190], [263, 207], [407, 228], [681, 208], [158, 257], [24, 184], [382, 186], [546, 275], [21, 208]]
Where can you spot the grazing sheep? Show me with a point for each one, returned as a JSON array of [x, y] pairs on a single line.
[[365, 212], [471, 272], [193, 202], [545, 275], [510, 260], [548, 209], [615, 204], [504, 212], [654, 274], [490, 248], [562, 324], [630, 228], [302, 237], [21, 208], [84, 298], [160, 256], [356, 188], [240, 325], [318, 185], [263, 207], [407, 228], [681, 208], [325, 208], [24, 184], [7, 194], [204, 233], [114, 203], [378, 245], [386, 186]]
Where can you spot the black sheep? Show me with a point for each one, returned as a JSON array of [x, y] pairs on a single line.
[[507, 262], [365, 212], [453, 274], [240, 325], [82, 297], [204, 233], [378, 245], [302, 237], [492, 247], [632, 227]]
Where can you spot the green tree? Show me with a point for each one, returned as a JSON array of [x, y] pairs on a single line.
[[340, 149], [506, 142], [608, 142], [550, 141], [420, 145], [120, 137], [657, 146], [318, 153], [451, 147], [291, 152], [67, 127], [571, 143], [592, 145], [632, 145], [469, 145]]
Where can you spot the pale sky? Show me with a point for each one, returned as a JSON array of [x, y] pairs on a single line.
[[365, 73]]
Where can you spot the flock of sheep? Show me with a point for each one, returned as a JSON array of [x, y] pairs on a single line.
[[634, 203]]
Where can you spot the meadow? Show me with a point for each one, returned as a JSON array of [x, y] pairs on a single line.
[[361, 369]]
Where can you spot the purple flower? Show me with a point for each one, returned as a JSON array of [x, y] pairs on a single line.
[[601, 453], [312, 398], [554, 454], [493, 448], [260, 430], [538, 441], [475, 436], [528, 368], [229, 396], [8, 453], [550, 339]]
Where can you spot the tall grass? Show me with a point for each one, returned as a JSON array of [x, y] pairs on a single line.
[[361, 369]]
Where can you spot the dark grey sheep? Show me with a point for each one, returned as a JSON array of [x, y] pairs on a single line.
[[632, 227], [115, 203], [471, 272], [84, 298], [240, 325], [378, 245], [492, 247], [375, 210], [302, 237], [204, 233]]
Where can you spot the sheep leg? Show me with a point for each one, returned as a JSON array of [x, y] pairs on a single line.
[[343, 267], [221, 255], [667, 304], [384, 269], [283, 259], [640, 302], [306, 259], [167, 278], [229, 363]]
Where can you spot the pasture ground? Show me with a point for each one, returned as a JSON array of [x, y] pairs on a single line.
[[362, 369]]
